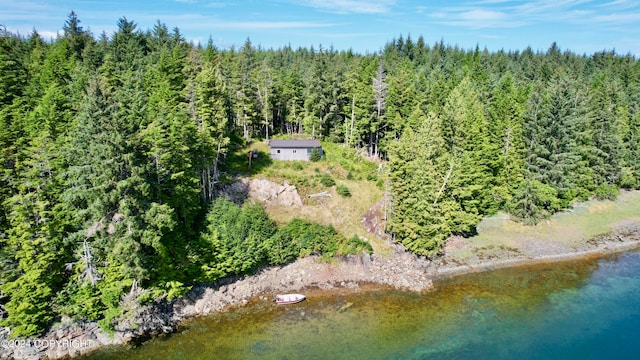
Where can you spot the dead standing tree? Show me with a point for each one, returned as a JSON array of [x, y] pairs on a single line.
[[380, 91]]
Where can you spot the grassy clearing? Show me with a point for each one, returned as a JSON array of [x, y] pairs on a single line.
[[341, 167], [568, 229]]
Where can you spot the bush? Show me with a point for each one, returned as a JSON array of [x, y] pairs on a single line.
[[355, 245], [607, 192], [315, 155], [327, 180], [282, 248], [233, 241], [534, 201], [297, 166], [312, 239], [343, 190]]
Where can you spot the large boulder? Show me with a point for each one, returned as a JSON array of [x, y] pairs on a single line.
[[273, 194]]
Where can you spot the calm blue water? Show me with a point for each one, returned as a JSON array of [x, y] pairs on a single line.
[[588, 309]]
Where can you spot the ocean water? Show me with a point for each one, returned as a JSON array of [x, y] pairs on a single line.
[[586, 309]]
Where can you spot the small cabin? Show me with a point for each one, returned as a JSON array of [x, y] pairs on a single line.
[[293, 149]]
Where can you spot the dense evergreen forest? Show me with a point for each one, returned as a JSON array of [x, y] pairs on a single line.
[[111, 148]]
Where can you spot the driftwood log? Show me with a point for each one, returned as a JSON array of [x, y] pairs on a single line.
[[324, 193]]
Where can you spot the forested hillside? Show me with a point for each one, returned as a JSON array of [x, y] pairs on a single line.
[[111, 148]]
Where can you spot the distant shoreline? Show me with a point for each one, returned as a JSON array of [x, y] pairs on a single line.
[[608, 248]]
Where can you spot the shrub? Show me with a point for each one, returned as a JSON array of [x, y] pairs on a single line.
[[327, 180], [315, 155], [297, 166], [282, 248], [606, 191], [355, 245], [533, 201], [233, 240], [313, 238], [343, 190]]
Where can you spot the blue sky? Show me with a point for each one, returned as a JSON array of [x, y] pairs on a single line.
[[583, 26]]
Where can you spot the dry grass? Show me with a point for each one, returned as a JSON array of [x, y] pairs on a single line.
[[343, 213], [565, 230]]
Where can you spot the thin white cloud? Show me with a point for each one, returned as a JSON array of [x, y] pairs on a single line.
[[511, 13], [197, 21], [266, 25], [217, 4], [548, 9], [618, 18], [350, 6], [350, 35], [48, 35], [622, 4], [483, 15], [477, 18]]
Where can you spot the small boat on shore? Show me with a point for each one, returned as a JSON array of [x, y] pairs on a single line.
[[289, 299]]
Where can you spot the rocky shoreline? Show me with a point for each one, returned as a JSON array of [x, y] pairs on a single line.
[[400, 270]]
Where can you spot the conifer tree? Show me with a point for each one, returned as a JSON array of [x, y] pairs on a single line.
[[264, 90], [631, 138], [420, 172], [77, 38], [463, 128], [105, 188], [212, 113], [381, 92], [34, 242], [505, 127], [557, 140], [362, 101], [609, 114], [243, 88], [292, 98], [402, 97]]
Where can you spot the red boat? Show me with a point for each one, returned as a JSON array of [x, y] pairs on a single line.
[[289, 299]]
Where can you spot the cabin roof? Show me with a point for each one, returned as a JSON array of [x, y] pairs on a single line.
[[294, 143]]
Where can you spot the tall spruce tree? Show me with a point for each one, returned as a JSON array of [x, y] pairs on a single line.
[[212, 114], [34, 241], [464, 130], [420, 171], [609, 114], [505, 127]]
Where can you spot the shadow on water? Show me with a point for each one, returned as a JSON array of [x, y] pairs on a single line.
[[557, 310]]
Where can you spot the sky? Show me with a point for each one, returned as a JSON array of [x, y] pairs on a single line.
[[365, 26]]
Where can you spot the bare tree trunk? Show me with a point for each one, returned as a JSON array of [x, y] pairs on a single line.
[[321, 120], [375, 151], [89, 270], [245, 128], [380, 90], [444, 183], [353, 116]]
